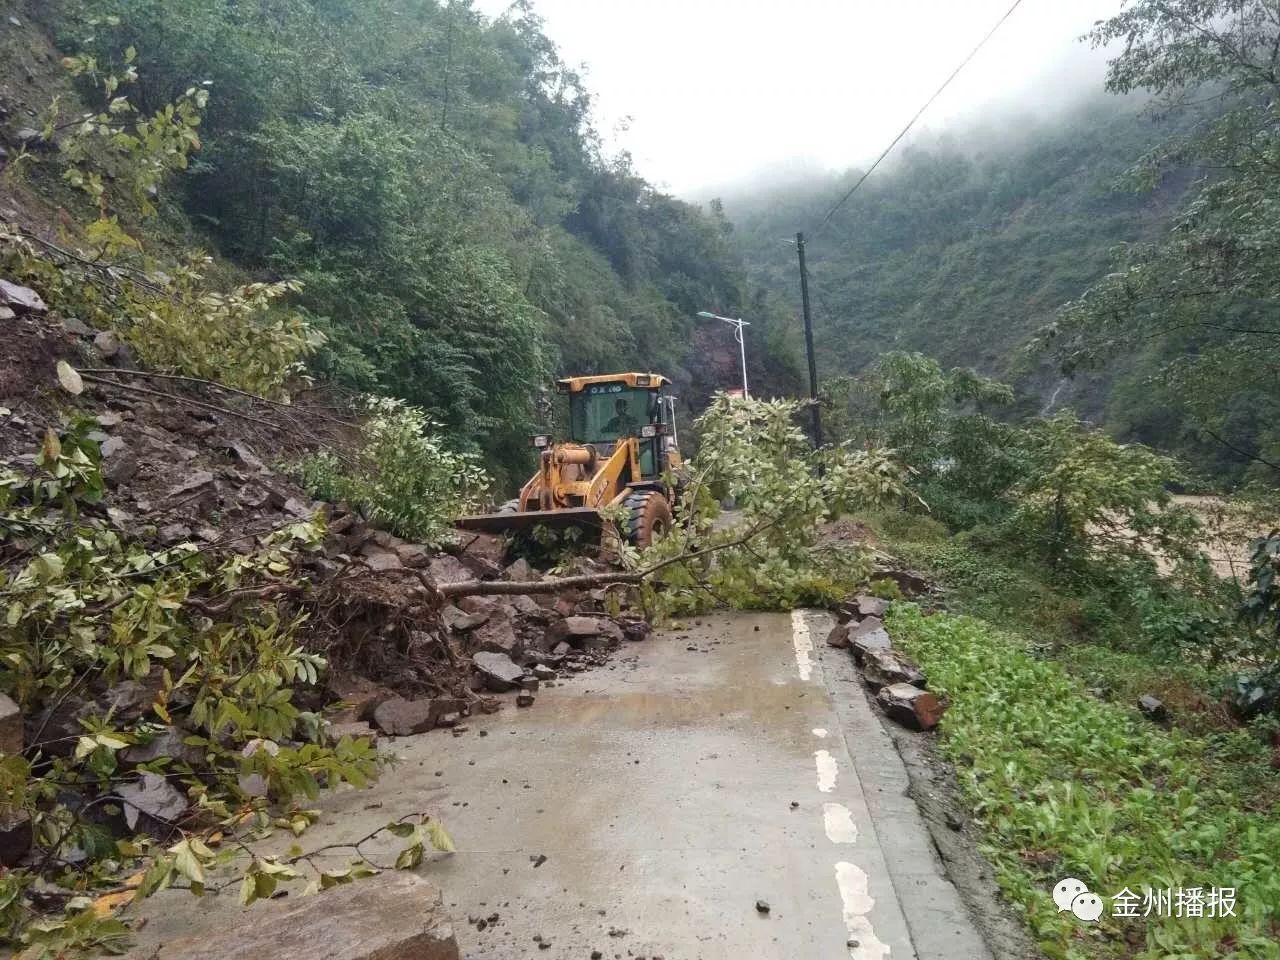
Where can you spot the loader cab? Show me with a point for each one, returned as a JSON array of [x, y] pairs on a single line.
[[607, 409]]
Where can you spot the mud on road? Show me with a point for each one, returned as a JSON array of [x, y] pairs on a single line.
[[720, 792]]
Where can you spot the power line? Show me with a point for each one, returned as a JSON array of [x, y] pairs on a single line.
[[928, 103]]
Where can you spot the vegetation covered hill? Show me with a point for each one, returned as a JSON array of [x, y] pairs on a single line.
[[433, 181], [967, 244]]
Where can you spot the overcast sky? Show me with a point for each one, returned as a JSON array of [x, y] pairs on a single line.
[[704, 93]]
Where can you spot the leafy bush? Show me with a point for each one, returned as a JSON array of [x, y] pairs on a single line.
[[405, 475], [754, 451], [1064, 785], [215, 660], [176, 320]]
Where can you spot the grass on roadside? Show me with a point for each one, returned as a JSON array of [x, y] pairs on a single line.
[[1064, 784]]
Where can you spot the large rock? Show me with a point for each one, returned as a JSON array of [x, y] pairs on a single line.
[[869, 606], [910, 706], [455, 619], [634, 629], [1153, 708], [361, 697], [154, 797], [447, 569], [496, 635], [10, 726], [119, 464], [376, 558], [413, 554], [884, 667], [583, 633], [21, 299], [396, 915], [499, 672], [488, 549], [128, 700], [910, 584], [402, 718], [520, 571], [477, 604], [868, 636]]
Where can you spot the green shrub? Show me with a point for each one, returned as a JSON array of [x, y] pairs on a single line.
[[405, 477]]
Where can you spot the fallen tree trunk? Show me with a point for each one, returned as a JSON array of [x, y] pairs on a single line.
[[491, 588]]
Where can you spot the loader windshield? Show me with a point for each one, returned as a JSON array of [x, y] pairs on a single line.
[[603, 412]]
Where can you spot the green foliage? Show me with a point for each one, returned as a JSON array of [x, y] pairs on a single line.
[[1063, 785], [405, 477], [120, 146], [1204, 292], [772, 558], [1083, 494], [967, 242], [962, 460], [175, 319], [89, 610], [432, 178]]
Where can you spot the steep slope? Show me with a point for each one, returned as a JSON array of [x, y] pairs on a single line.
[[966, 245], [433, 180]]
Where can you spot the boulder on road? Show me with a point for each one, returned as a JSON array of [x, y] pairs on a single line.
[[634, 629], [396, 915], [499, 672], [583, 632], [882, 668], [399, 717], [869, 635], [910, 706]]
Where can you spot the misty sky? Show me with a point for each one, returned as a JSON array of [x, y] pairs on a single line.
[[705, 93]]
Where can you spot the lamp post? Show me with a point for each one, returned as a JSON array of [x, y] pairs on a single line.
[[737, 335]]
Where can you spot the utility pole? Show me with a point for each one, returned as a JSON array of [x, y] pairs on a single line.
[[808, 345]]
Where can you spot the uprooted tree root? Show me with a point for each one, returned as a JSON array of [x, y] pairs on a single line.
[[385, 628]]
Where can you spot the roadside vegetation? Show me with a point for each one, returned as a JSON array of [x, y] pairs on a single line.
[[1070, 585], [1063, 784]]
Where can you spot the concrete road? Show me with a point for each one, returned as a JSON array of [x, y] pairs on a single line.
[[644, 809]]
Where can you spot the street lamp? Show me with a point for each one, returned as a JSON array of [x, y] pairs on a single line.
[[737, 335]]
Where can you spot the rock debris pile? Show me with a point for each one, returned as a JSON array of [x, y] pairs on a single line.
[[898, 681]]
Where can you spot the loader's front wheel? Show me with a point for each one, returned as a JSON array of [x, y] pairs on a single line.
[[649, 519]]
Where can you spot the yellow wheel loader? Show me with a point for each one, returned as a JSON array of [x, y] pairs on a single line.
[[622, 451]]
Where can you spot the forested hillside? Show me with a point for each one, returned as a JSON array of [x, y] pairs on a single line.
[[966, 245], [433, 181]]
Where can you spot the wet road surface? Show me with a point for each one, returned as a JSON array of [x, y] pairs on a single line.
[[644, 808]]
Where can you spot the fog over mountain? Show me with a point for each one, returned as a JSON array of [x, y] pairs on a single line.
[[709, 95]]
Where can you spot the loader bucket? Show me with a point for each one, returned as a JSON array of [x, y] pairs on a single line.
[[586, 517]]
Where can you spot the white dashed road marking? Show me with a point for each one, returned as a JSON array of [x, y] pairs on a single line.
[[803, 640]]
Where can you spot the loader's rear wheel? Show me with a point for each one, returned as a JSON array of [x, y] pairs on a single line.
[[650, 518]]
